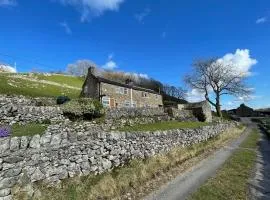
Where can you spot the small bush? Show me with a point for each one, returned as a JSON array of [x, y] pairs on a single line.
[[62, 99], [83, 108]]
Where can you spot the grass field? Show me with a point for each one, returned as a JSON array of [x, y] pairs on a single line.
[[163, 126], [133, 176], [231, 181], [11, 84], [63, 79], [27, 130]]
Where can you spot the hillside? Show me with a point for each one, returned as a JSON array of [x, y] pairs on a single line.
[[40, 85]]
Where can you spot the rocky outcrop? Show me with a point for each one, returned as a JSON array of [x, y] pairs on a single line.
[[69, 150]]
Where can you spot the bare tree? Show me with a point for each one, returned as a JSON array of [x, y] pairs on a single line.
[[213, 75], [80, 68], [173, 91]]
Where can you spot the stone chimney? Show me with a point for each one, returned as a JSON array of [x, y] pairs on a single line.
[[91, 70], [129, 82]]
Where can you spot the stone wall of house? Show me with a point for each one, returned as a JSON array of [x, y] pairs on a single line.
[[120, 100], [66, 151]]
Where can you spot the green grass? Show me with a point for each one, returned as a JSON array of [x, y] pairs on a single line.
[[63, 79], [28, 129], [163, 126], [112, 185], [12, 85], [231, 181]]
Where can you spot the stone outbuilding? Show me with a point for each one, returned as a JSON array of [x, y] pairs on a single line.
[[201, 110]]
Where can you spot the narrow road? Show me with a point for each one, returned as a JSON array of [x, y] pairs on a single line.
[[260, 183], [185, 184]]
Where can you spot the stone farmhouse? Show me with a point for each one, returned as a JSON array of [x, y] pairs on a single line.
[[113, 94]]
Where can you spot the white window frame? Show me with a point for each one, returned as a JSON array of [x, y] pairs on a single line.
[[106, 101], [122, 90], [126, 91]]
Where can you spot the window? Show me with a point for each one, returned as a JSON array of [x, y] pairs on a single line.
[[134, 105], [144, 94], [125, 91], [106, 101], [121, 90], [127, 104]]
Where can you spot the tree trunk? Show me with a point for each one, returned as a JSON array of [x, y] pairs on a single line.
[[218, 107], [218, 110]]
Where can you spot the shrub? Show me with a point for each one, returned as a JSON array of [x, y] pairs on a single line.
[[83, 108], [5, 131], [62, 99]]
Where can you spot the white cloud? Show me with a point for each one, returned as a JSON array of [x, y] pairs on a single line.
[[140, 75], [164, 34], [195, 96], [230, 103], [261, 20], [7, 68], [5, 3], [141, 16], [66, 27], [248, 98], [92, 8], [110, 65], [241, 60]]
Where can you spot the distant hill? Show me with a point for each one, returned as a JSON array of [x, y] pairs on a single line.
[[40, 85]]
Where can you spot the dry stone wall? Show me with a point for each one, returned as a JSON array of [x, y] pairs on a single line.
[[70, 150], [11, 114], [26, 101], [117, 113]]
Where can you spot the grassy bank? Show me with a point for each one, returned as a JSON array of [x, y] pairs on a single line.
[[231, 181], [163, 126], [27, 129], [134, 176], [17, 86]]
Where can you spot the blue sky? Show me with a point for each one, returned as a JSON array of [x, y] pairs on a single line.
[[159, 38]]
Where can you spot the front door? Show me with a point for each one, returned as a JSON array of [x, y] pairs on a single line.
[[112, 103]]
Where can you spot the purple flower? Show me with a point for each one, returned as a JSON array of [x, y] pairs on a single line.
[[4, 131]]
